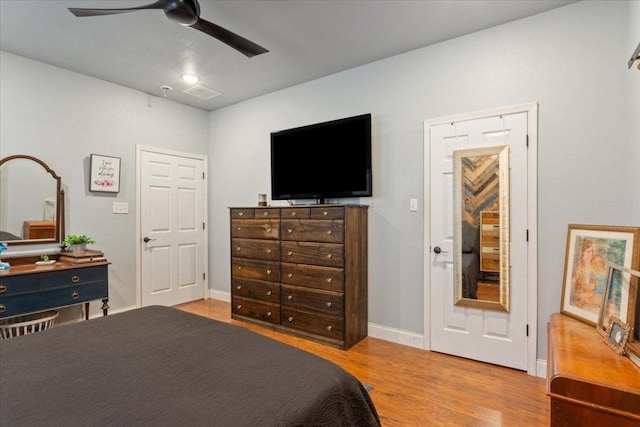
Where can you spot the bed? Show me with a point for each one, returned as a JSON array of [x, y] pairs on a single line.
[[470, 260], [162, 366]]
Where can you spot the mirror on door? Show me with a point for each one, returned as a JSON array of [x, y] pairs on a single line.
[[481, 227]]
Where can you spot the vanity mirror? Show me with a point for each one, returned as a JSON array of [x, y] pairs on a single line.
[[481, 227], [31, 202]]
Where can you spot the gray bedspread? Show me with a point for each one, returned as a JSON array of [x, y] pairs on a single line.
[[159, 366]]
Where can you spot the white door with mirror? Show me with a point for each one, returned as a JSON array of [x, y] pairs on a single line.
[[480, 261]]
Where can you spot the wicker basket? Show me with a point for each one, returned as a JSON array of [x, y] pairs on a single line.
[[27, 324]]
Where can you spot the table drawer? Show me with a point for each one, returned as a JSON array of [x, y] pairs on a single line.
[[255, 228], [268, 250], [242, 213], [316, 230], [267, 213], [311, 276], [327, 326], [256, 289], [334, 212], [256, 309], [76, 277], [296, 213], [313, 299], [327, 254], [254, 269], [19, 284], [45, 300]]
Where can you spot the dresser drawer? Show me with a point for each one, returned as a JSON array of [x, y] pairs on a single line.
[[310, 276], [268, 250], [327, 254], [255, 228], [327, 326], [334, 212], [66, 278], [308, 230], [18, 284], [313, 299], [256, 309], [254, 269], [61, 297], [267, 213], [296, 213], [242, 213], [256, 289]]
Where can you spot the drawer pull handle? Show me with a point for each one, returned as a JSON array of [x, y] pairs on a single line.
[[239, 306], [268, 271], [239, 228], [328, 231], [268, 230], [289, 253], [294, 213], [329, 328], [268, 314], [266, 214], [329, 256], [268, 292], [239, 287], [290, 230], [75, 279], [2, 308], [290, 297], [75, 295], [290, 275], [241, 214], [3, 288], [290, 319], [329, 304], [325, 213], [238, 249], [239, 267], [268, 251], [329, 280]]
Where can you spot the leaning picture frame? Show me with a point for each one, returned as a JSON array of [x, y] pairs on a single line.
[[104, 174], [621, 286], [589, 248], [617, 335]]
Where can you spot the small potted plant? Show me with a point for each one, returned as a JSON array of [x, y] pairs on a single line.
[[77, 243]]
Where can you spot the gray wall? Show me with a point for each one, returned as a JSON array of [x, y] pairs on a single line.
[[62, 118], [633, 75], [572, 61]]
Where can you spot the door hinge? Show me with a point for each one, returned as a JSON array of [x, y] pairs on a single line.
[[527, 234], [527, 140], [203, 226], [204, 276], [203, 172], [527, 329]]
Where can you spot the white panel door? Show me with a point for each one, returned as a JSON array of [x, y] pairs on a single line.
[[172, 212], [485, 335]]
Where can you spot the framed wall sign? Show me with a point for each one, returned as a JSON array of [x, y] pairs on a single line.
[[105, 173], [589, 249]]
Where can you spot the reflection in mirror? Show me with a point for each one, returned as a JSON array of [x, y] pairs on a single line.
[[481, 227], [30, 201]]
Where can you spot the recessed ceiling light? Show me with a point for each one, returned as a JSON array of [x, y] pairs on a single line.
[[190, 78]]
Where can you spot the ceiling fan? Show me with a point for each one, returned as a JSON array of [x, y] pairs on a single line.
[[185, 13]]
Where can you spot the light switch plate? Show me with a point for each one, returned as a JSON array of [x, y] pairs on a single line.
[[413, 205], [120, 208]]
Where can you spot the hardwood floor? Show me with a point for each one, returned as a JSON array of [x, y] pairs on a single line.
[[413, 387]]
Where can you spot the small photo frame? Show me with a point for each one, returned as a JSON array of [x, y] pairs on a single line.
[[617, 335], [105, 174], [589, 250], [619, 298]]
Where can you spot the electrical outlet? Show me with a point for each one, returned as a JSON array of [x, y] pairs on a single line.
[[413, 205], [120, 208]]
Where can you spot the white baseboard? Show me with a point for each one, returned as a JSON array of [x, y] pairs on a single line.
[[541, 368], [219, 295]]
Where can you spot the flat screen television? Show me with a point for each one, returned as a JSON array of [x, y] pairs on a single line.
[[321, 161]]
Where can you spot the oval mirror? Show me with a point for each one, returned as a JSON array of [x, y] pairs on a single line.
[[481, 227], [31, 202]]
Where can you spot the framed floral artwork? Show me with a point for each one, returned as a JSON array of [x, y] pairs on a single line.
[[105, 174], [589, 250]]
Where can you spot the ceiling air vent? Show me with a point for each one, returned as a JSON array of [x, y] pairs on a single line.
[[202, 92]]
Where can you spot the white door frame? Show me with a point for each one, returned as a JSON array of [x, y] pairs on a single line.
[[532, 219], [205, 246]]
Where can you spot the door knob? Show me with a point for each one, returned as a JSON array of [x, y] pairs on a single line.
[[146, 239], [437, 250]]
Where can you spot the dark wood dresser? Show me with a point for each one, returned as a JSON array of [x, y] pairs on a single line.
[[302, 270], [587, 382], [28, 288]]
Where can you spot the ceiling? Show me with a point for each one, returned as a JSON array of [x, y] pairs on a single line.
[[306, 39]]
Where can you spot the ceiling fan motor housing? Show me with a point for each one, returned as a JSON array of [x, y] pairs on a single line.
[[183, 12]]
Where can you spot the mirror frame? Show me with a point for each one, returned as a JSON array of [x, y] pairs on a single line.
[[502, 151], [59, 236]]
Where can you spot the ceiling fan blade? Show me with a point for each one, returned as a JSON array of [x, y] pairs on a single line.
[[80, 12], [239, 43]]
